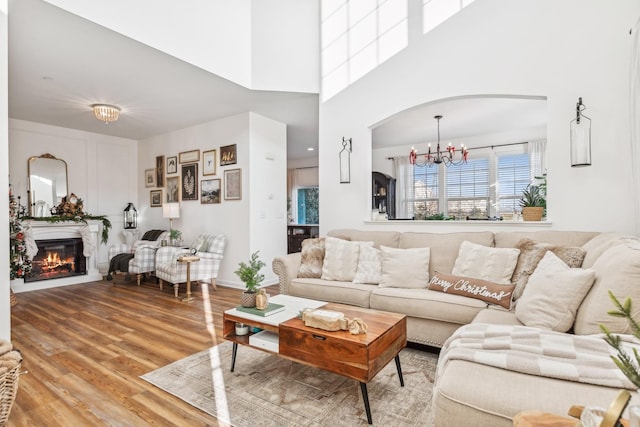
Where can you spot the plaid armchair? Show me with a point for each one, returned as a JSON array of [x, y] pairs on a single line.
[[210, 250], [144, 253]]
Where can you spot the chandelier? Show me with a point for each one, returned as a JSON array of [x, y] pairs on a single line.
[[106, 113], [439, 156]]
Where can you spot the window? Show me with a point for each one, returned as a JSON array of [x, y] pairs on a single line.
[[513, 176], [468, 189], [426, 191], [357, 36], [308, 205], [489, 184]]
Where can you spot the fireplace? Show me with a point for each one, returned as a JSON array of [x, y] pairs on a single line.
[[58, 258], [84, 270]]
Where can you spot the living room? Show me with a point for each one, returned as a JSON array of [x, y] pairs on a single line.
[[559, 51]]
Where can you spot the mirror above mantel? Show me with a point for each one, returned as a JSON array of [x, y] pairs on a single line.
[[48, 184]]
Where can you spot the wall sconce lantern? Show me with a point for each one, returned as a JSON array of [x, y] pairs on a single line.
[[345, 161], [580, 132], [130, 217]]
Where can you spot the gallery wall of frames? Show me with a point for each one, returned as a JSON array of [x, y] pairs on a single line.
[[206, 175]]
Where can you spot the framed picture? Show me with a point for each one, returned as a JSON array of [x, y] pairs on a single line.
[[150, 178], [189, 156], [209, 191], [173, 189], [155, 197], [172, 165], [233, 184], [159, 171], [209, 162], [228, 155], [190, 181]]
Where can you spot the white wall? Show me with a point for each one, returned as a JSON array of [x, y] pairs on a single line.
[[101, 170], [5, 313], [242, 221], [285, 38], [530, 48], [259, 44], [267, 192]]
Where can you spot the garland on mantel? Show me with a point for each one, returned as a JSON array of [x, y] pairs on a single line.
[[106, 224]]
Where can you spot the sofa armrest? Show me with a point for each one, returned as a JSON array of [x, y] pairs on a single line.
[[286, 267]]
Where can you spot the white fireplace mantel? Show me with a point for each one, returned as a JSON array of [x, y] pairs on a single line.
[[63, 230]]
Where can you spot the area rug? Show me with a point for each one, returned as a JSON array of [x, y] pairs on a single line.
[[265, 390]]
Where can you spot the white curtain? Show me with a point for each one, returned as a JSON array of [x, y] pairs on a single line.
[[634, 117], [537, 157], [404, 187]]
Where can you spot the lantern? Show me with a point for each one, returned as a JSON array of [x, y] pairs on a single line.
[[130, 217]]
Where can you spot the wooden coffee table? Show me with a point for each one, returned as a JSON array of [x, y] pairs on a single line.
[[359, 357]]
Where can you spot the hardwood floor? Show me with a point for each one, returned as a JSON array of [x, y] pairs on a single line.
[[84, 347]]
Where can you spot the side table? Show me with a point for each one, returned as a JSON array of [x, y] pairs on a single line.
[[188, 259]]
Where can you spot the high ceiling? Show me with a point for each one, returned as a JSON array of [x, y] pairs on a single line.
[[60, 63]]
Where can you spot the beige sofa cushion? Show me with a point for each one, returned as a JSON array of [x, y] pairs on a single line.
[[497, 315], [490, 396], [369, 268], [617, 270], [340, 259], [444, 246], [530, 255], [312, 258], [492, 264], [332, 291], [553, 294], [379, 238], [427, 304], [599, 245], [509, 239], [405, 268]]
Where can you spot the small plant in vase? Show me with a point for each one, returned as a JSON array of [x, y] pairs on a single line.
[[174, 236], [251, 277]]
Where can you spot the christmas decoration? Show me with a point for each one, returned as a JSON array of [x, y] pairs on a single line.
[[20, 262]]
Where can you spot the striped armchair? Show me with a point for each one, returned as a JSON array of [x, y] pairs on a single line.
[[144, 254], [210, 251]]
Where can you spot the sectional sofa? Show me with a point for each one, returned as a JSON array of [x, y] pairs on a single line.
[[552, 305]]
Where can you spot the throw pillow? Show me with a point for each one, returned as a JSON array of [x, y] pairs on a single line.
[[553, 294], [484, 290], [405, 268], [617, 270], [312, 257], [369, 268], [340, 259], [486, 263], [198, 244], [530, 255]]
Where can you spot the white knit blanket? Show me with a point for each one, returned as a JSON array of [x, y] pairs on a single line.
[[581, 358]]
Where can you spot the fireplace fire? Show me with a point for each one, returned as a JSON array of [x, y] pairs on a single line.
[[58, 258]]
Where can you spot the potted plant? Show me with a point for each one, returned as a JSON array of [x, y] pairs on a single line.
[[533, 203], [174, 236], [251, 277]]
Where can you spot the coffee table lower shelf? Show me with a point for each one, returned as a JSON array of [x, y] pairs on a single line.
[[359, 357]]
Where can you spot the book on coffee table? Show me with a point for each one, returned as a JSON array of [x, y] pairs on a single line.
[[271, 309]]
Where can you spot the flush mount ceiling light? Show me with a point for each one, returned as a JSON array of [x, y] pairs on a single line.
[[106, 113]]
